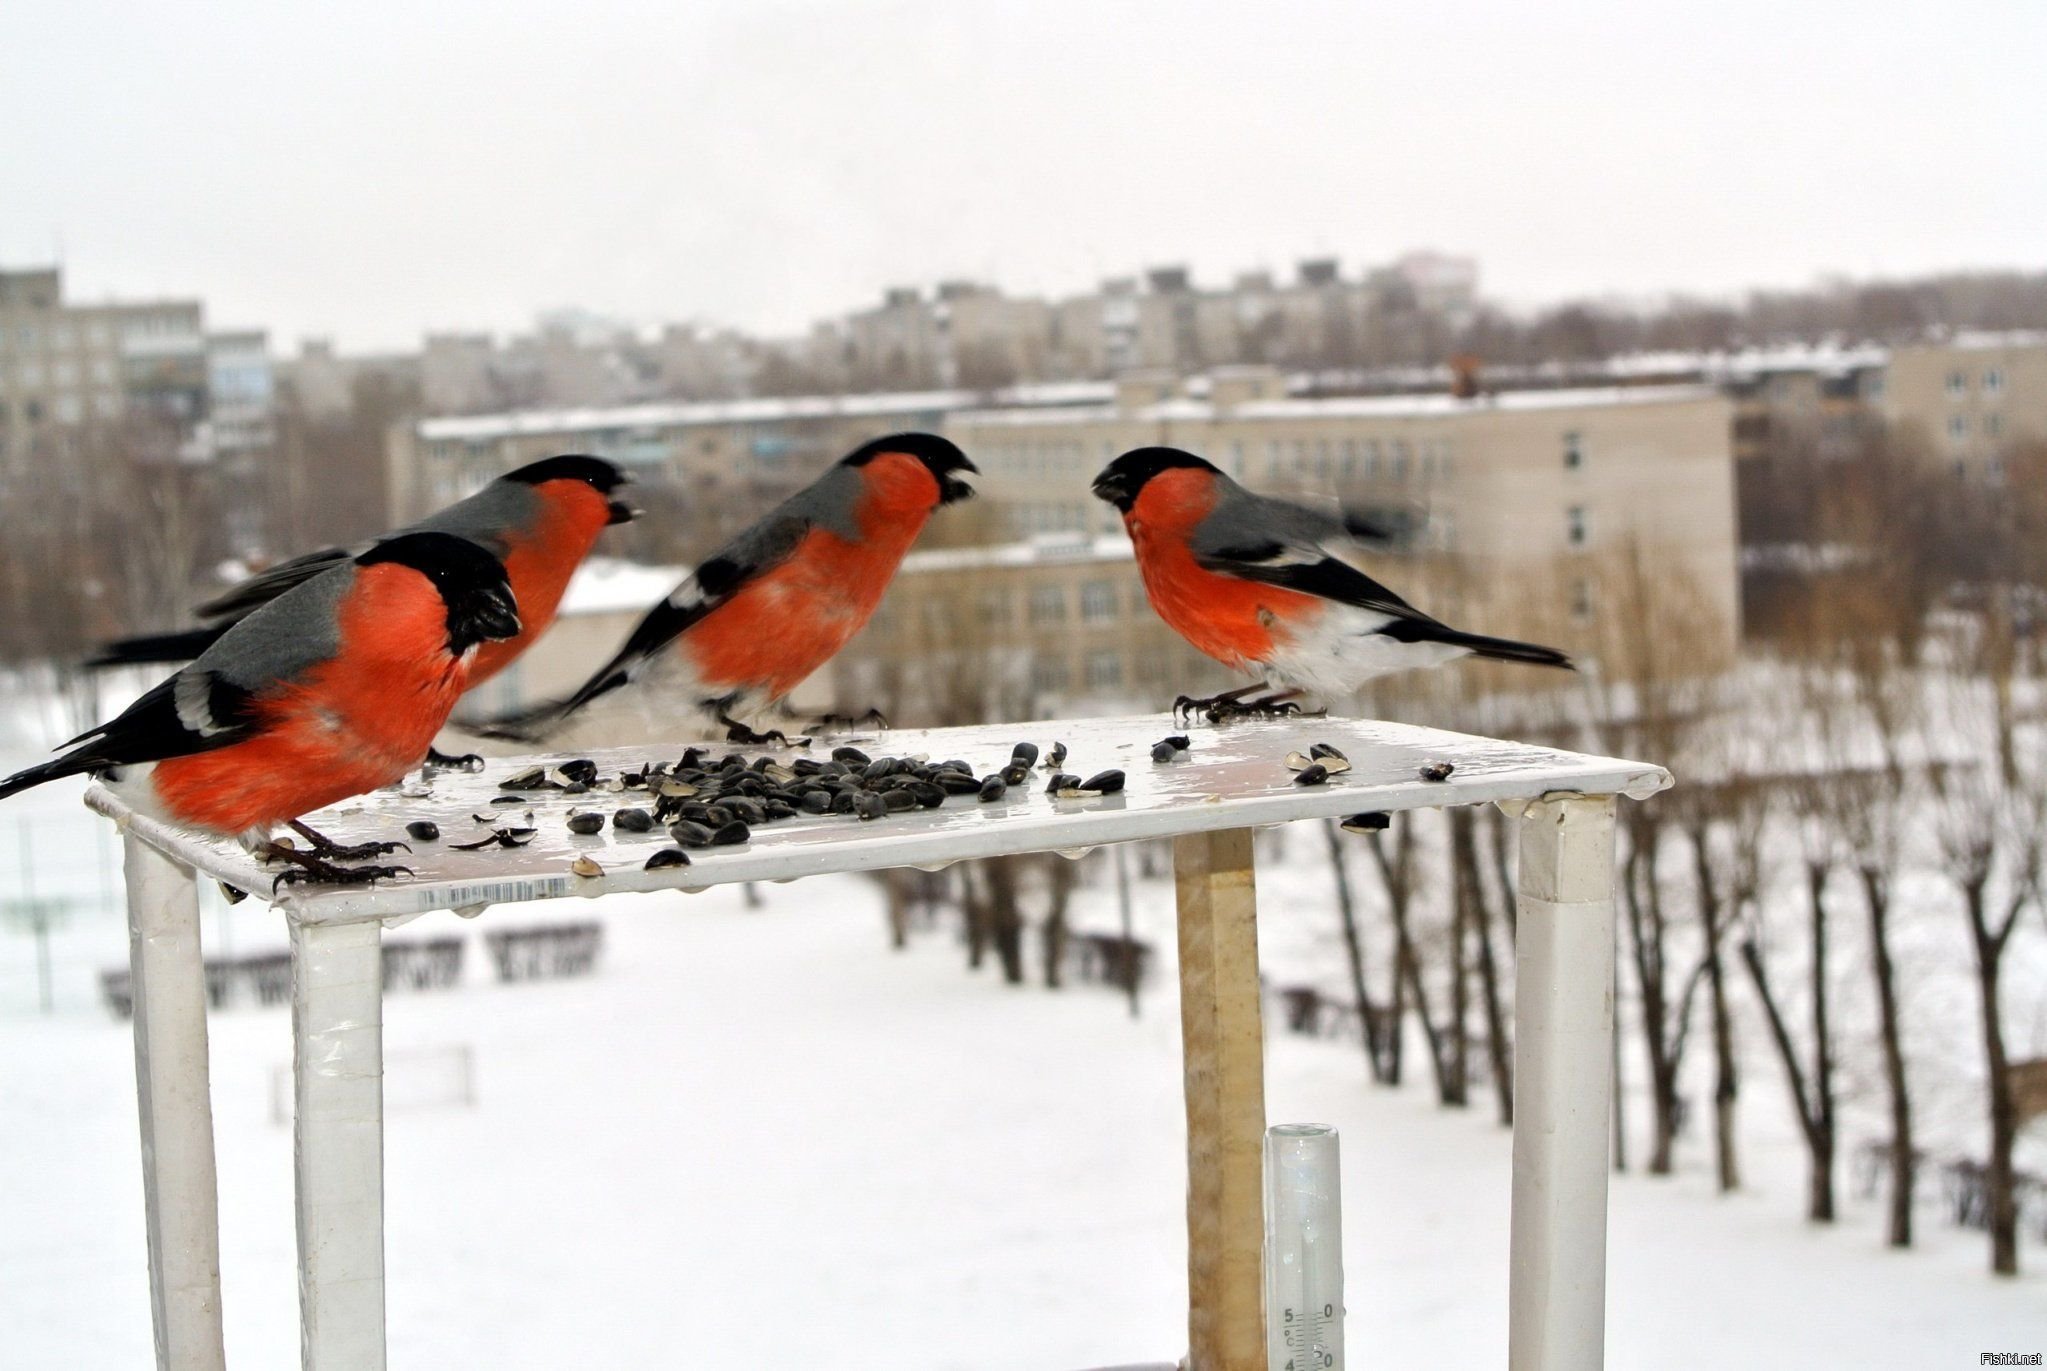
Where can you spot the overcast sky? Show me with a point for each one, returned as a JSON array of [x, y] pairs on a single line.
[[386, 168]]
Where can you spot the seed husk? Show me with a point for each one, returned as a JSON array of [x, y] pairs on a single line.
[[1313, 774], [667, 857], [1437, 771], [851, 756], [633, 821], [423, 830], [1027, 753], [1104, 782], [993, 788], [731, 834], [1370, 822], [585, 867], [869, 806], [586, 823]]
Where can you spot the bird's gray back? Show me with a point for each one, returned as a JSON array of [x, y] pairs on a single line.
[[282, 640]]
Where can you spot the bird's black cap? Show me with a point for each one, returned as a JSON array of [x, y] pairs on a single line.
[[601, 476], [472, 583], [941, 455], [571, 466], [1123, 478]]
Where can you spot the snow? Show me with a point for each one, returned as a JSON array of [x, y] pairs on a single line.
[[761, 1129], [1351, 406], [485, 427], [611, 585]]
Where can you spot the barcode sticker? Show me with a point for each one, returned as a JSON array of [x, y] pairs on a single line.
[[505, 892]]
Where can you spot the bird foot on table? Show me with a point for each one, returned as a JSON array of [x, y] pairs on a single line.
[[847, 723], [309, 868], [326, 873], [323, 846], [1220, 709], [745, 736]]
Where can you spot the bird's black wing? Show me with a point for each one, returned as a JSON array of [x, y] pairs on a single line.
[[759, 549], [1309, 570], [194, 711], [259, 590]]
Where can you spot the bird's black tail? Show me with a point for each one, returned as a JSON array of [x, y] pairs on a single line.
[[1499, 649], [1508, 650], [157, 647], [535, 722], [56, 770]]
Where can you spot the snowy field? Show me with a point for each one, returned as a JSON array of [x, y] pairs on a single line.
[[758, 1137]]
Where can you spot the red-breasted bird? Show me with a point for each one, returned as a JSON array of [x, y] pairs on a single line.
[[1252, 582], [541, 521], [775, 603], [333, 688]]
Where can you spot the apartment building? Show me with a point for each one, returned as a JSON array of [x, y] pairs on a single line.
[[1970, 398], [65, 366], [730, 446]]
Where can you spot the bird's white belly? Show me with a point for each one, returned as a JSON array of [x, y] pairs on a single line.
[[1344, 649]]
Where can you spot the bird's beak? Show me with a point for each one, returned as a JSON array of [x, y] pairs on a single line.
[[622, 513], [497, 615], [1110, 488], [957, 486]]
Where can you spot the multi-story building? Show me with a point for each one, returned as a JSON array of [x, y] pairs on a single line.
[[1970, 398], [66, 367], [701, 448]]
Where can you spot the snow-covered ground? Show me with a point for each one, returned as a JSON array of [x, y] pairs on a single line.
[[758, 1137]]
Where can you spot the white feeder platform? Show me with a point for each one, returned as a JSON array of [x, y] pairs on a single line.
[[1233, 779]]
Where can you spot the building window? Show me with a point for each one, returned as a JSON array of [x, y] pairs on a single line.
[[1097, 602], [1048, 674], [1575, 525], [1993, 424], [1048, 604], [1104, 670], [1957, 384], [1957, 427], [994, 607], [1574, 453], [1993, 381], [1581, 599], [1399, 460]]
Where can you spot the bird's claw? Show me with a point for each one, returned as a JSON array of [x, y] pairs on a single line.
[[436, 760], [1219, 709], [315, 871], [847, 723], [736, 732]]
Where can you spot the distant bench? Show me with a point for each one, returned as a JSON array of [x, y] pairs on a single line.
[[265, 978], [1109, 959]]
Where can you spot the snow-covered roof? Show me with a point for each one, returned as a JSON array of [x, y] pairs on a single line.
[[1045, 549], [607, 585], [683, 414], [612, 585], [1351, 406]]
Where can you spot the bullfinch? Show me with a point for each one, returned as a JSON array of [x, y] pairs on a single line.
[[775, 603], [333, 688], [541, 521], [1252, 582]]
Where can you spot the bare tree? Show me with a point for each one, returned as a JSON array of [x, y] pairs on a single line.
[[1991, 822]]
